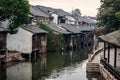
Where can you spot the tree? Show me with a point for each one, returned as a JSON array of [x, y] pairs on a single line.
[[76, 13], [117, 14], [16, 11], [106, 15], [54, 41]]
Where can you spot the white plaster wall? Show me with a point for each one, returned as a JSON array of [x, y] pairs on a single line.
[[55, 20], [13, 42], [70, 20], [21, 41], [4, 24], [26, 41]]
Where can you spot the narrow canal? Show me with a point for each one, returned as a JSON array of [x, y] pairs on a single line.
[[51, 66]]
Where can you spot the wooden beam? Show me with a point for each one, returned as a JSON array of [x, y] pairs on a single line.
[[0, 64], [115, 56], [104, 50], [108, 52]]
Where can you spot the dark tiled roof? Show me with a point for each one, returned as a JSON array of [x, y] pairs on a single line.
[[85, 28], [50, 10], [61, 12], [113, 38], [71, 28], [88, 20], [3, 29], [54, 27], [85, 19], [34, 29], [47, 10], [37, 12]]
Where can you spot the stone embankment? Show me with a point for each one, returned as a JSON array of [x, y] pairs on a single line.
[[94, 65]]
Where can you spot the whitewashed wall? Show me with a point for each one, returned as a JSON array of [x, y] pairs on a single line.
[[4, 24], [70, 20], [21, 71], [21, 41], [55, 20]]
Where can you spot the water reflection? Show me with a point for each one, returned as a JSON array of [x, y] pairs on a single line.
[[2, 73], [21, 71], [51, 66], [94, 76]]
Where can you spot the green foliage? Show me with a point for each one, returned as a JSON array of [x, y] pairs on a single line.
[[16, 11], [107, 14], [44, 27], [76, 13], [117, 14], [54, 42], [54, 39]]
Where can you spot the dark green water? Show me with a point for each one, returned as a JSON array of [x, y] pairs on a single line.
[[51, 66]]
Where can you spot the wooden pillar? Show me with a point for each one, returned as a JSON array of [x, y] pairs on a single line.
[[63, 43], [104, 50], [108, 53], [115, 56], [35, 55], [29, 57], [71, 44], [0, 64]]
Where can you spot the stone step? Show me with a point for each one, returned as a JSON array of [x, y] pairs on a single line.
[[92, 67], [92, 64]]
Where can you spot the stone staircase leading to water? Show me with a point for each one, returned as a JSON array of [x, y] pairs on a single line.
[[92, 67]]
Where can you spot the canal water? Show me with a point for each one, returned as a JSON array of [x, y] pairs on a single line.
[[51, 66]]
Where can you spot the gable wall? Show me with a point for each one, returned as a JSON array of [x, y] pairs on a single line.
[[55, 19], [70, 20], [21, 41]]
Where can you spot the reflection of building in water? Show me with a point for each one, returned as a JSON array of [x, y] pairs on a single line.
[[43, 60], [2, 73], [94, 76], [39, 68], [21, 71], [71, 55]]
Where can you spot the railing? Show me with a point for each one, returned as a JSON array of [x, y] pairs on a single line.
[[91, 56], [110, 68]]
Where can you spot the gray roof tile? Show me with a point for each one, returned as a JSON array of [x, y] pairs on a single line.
[[113, 38], [34, 29], [54, 27], [88, 20], [50, 10], [85, 28], [3, 29], [37, 12], [71, 28], [85, 19], [47, 10], [61, 12]]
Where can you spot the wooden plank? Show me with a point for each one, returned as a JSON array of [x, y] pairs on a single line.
[[104, 50], [115, 56], [108, 53]]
